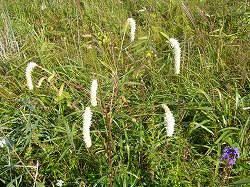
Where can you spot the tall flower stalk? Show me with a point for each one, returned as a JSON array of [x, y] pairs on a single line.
[[87, 117], [93, 93], [131, 23], [28, 72], [29, 69], [168, 120], [177, 54], [230, 154]]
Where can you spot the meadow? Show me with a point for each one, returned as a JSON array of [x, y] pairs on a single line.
[[77, 41]]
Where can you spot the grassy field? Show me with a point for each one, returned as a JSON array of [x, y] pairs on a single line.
[[76, 41]]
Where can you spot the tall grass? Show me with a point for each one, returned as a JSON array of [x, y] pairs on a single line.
[[79, 41]]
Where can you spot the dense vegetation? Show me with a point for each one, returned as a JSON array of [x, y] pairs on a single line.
[[76, 41]]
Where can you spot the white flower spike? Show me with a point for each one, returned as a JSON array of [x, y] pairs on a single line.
[[29, 70], [87, 117], [169, 120], [59, 183], [131, 22], [93, 93], [177, 54]]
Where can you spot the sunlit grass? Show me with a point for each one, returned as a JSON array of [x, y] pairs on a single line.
[[80, 41]]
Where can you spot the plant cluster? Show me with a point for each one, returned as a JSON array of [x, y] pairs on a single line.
[[84, 102]]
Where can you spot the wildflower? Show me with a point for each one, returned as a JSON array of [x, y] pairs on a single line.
[[2, 142], [151, 54], [93, 93], [177, 54], [132, 24], [169, 120], [87, 116], [29, 70], [230, 154], [59, 182]]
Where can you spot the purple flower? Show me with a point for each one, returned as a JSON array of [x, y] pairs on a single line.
[[230, 154]]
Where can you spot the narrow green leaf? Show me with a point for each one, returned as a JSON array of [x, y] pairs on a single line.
[[40, 184], [243, 181], [164, 35]]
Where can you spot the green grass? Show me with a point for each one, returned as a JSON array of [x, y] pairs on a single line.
[[84, 40]]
